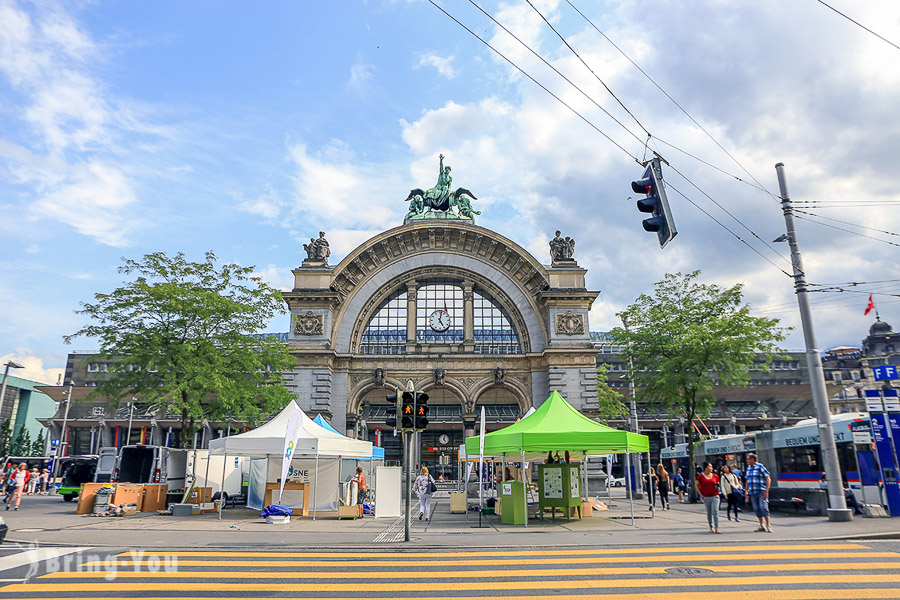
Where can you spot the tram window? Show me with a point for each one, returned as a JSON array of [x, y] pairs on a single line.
[[798, 460]]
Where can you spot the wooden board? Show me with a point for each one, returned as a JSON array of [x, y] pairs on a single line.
[[200, 495], [457, 502], [129, 493], [154, 497], [348, 512], [87, 496]]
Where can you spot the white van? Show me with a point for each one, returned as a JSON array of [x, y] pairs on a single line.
[[140, 463]]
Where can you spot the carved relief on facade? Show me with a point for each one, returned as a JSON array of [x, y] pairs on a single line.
[[570, 324], [309, 323], [469, 382]]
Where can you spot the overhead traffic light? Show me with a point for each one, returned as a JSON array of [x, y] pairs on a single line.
[[408, 411], [393, 408], [655, 203], [421, 411]]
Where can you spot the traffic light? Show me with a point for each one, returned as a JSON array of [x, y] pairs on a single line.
[[421, 411], [392, 409], [661, 221], [408, 411]]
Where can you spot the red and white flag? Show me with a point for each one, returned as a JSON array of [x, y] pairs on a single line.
[[870, 306]]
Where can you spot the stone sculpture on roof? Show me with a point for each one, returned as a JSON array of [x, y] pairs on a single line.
[[438, 202]]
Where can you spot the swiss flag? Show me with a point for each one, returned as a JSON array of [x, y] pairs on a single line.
[[870, 306]]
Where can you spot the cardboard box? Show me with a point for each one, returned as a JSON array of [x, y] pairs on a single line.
[[457, 502], [348, 512], [129, 493], [87, 496]]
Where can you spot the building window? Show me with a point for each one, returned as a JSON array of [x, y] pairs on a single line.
[[93, 367], [494, 334], [434, 295], [386, 331]]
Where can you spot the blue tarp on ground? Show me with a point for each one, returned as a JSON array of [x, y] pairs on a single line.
[[377, 453]]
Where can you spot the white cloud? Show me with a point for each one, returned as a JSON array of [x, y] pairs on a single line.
[[361, 72], [34, 368], [279, 277], [444, 65], [267, 205]]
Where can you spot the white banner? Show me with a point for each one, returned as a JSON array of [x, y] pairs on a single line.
[[481, 459], [323, 489], [291, 434]]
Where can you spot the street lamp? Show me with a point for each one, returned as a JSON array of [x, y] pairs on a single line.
[[65, 433], [130, 417], [9, 365]]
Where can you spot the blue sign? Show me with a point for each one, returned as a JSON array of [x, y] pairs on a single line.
[[885, 372], [885, 451]]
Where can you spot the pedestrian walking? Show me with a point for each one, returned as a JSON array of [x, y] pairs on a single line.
[[361, 491], [679, 484], [20, 480], [662, 484], [758, 481], [734, 493], [425, 487], [45, 481], [33, 478], [708, 486], [9, 482], [650, 487]]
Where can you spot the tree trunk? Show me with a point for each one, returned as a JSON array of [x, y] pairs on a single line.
[[692, 466]]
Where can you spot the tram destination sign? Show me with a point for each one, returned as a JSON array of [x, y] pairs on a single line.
[[885, 372]]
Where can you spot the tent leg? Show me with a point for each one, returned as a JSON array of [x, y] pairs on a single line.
[[629, 484], [316, 484], [650, 489], [222, 488], [525, 488]]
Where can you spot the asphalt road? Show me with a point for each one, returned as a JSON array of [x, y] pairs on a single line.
[[786, 571]]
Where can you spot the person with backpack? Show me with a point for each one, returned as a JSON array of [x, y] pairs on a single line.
[[679, 484], [425, 487]]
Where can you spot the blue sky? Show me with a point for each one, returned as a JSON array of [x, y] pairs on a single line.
[[245, 128]]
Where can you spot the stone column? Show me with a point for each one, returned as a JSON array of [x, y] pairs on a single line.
[[351, 426], [411, 295], [468, 316], [469, 424]]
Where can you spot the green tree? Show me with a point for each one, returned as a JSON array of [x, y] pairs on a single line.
[[689, 337], [37, 446], [180, 335], [609, 401], [21, 444], [5, 438]]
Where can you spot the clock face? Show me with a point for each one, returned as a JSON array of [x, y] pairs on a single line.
[[443, 439], [439, 320]]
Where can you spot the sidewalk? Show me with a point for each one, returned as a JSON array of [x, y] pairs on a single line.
[[47, 520]]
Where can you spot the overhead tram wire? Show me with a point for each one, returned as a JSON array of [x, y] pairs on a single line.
[[826, 5], [610, 115], [811, 220], [598, 130], [597, 77], [725, 227], [536, 82], [649, 135], [847, 223], [758, 185]]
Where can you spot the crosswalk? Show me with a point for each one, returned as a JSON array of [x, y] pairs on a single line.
[[749, 572]]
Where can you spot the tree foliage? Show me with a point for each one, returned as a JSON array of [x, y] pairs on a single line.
[[609, 401], [179, 335], [688, 337]]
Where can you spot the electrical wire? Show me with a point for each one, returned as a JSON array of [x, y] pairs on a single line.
[[725, 227], [758, 185], [847, 230], [583, 118], [536, 82], [578, 56], [848, 223], [826, 5]]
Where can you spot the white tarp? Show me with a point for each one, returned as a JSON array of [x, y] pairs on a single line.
[[268, 440], [323, 486]]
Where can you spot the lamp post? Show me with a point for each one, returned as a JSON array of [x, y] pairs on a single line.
[[130, 417], [9, 365], [64, 438], [633, 422]]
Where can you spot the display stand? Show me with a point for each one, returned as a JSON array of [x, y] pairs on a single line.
[[512, 499], [559, 486]]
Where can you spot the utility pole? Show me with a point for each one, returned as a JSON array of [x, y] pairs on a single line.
[[838, 510], [408, 436], [638, 481]]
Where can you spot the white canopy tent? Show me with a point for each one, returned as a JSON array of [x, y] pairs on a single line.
[[314, 442]]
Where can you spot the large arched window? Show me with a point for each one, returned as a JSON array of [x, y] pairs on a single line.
[[386, 331], [494, 334], [439, 295], [444, 312]]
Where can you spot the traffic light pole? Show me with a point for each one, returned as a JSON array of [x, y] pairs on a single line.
[[838, 510], [406, 452]]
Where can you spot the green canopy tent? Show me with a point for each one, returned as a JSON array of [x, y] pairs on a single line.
[[558, 426]]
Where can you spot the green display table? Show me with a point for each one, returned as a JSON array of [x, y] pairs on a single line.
[[559, 486], [512, 499]]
